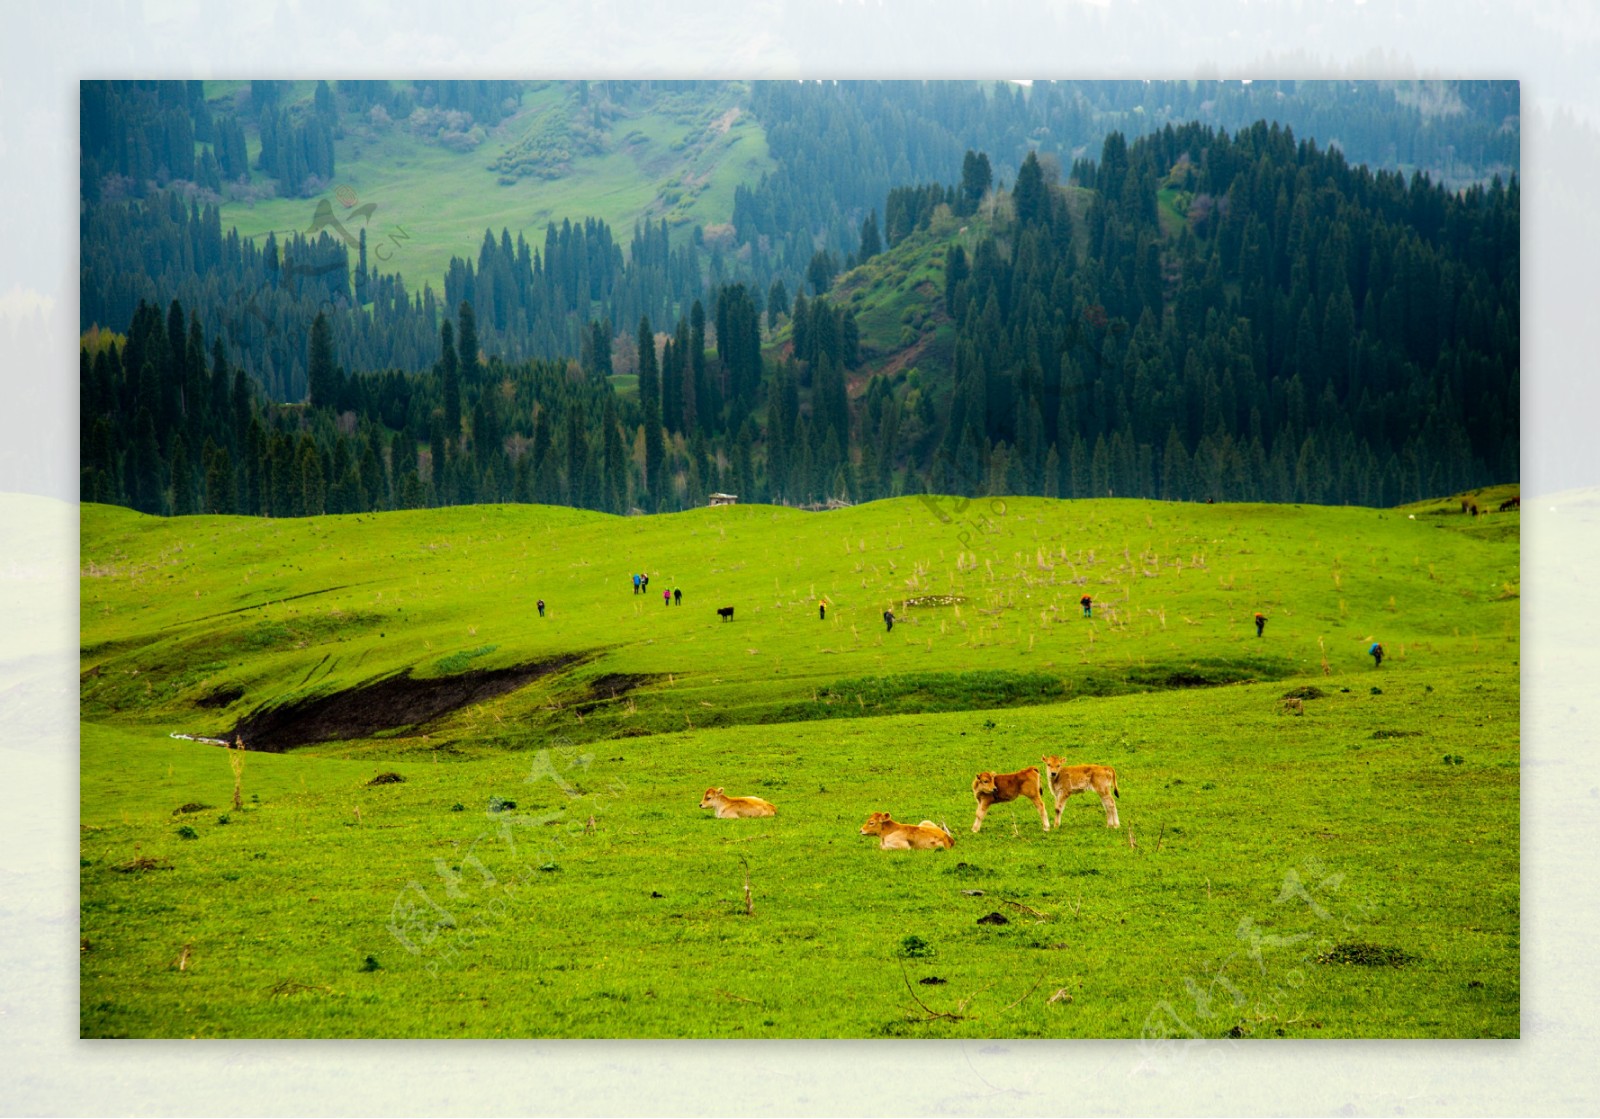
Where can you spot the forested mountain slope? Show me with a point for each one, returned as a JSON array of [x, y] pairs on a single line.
[[1192, 314]]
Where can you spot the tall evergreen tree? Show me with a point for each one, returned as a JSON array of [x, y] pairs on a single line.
[[468, 343], [650, 416], [871, 240], [322, 378], [450, 383]]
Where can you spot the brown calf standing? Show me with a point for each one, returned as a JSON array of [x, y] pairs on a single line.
[[1068, 779], [990, 788]]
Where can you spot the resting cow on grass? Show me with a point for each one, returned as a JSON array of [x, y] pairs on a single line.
[[1068, 779], [734, 808], [900, 837], [996, 788]]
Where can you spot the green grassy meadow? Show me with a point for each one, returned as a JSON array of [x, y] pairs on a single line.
[[542, 868], [680, 160]]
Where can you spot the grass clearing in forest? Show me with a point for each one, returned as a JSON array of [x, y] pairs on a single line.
[[674, 161]]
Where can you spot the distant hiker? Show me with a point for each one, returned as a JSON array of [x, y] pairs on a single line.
[[1261, 623], [677, 597], [635, 582], [1474, 509], [644, 582], [1377, 654], [888, 621], [1464, 504], [1088, 606], [822, 611], [666, 597], [541, 608]]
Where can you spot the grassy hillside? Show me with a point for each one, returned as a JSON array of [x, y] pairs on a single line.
[[180, 613], [542, 868], [897, 296], [679, 159]]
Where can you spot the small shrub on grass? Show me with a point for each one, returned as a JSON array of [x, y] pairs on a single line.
[[186, 832], [913, 947], [386, 779], [1305, 691], [371, 964], [500, 804], [192, 806]]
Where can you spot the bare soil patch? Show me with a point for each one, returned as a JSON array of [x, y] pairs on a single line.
[[387, 703]]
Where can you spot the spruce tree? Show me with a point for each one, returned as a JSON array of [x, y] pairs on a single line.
[[650, 414], [450, 383], [322, 379], [871, 241], [468, 344], [777, 303], [1029, 195]]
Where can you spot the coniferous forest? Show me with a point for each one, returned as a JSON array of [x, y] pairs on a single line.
[[1275, 292]]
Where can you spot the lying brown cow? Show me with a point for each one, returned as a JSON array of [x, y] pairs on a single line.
[[732, 808], [997, 788], [898, 837], [1068, 779]]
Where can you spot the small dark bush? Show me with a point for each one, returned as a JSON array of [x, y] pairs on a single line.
[[192, 806], [500, 804], [386, 779], [371, 964], [913, 947], [1305, 691], [186, 832]]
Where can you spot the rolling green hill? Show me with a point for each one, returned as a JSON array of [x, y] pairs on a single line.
[[491, 827], [178, 612]]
